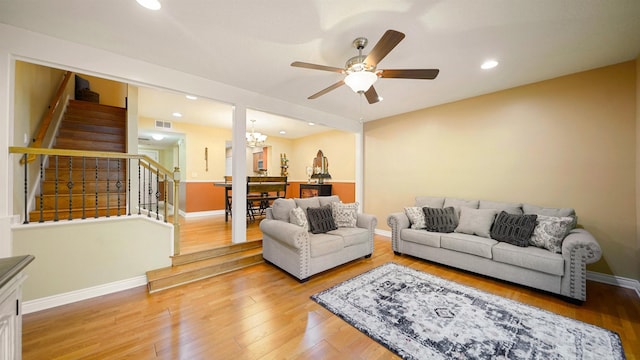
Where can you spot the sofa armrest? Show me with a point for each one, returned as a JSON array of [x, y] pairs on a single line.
[[290, 234], [367, 221], [397, 222], [579, 248]]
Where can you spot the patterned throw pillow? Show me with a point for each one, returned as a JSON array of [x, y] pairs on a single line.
[[416, 217], [345, 215], [550, 232], [440, 220], [513, 229], [298, 217], [320, 219]]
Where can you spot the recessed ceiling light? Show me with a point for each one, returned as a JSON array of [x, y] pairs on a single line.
[[177, 114], [311, 123], [157, 137], [282, 132], [150, 4], [489, 64], [191, 97]]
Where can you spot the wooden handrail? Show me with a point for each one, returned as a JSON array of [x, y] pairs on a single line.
[[85, 153], [46, 120]]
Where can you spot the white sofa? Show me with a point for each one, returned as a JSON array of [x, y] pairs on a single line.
[[302, 253], [562, 273]]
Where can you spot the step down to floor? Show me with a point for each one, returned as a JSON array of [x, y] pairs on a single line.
[[205, 264]]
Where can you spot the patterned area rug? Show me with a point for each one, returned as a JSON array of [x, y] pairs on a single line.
[[421, 316]]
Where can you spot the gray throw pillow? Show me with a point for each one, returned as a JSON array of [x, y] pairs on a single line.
[[476, 221], [320, 219], [513, 229], [440, 220], [550, 232]]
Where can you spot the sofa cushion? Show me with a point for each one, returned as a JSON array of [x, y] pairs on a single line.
[[550, 231], [416, 217], [557, 212], [458, 203], [422, 237], [530, 258], [430, 201], [513, 229], [511, 208], [320, 219], [326, 200], [442, 220], [476, 221], [281, 208], [351, 236], [469, 244], [345, 215], [298, 217], [323, 244], [307, 202]]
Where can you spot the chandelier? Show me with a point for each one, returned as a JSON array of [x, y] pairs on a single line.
[[255, 139]]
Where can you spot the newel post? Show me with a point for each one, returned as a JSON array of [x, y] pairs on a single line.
[[176, 211]]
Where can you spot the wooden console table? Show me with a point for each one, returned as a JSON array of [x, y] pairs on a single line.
[[309, 190]]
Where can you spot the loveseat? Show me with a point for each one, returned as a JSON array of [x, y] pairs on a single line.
[[309, 235], [537, 247]]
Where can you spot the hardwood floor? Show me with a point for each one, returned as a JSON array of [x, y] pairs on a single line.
[[262, 313], [207, 232]]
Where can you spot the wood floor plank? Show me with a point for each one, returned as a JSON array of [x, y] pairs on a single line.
[[260, 312]]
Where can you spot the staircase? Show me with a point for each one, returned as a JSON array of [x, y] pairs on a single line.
[[85, 126], [204, 264]]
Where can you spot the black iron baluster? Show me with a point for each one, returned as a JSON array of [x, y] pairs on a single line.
[[158, 195], [55, 213], [139, 188], [84, 187], [41, 188], [108, 187], [150, 190], [144, 188], [166, 199], [26, 190], [70, 187], [96, 191], [118, 186]]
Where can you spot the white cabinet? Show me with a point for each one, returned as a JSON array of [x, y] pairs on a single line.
[[11, 279]]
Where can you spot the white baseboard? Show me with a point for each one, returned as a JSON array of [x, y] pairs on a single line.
[[615, 281], [195, 214], [82, 294], [591, 275]]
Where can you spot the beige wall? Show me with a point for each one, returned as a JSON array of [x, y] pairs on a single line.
[[338, 146], [112, 93], [565, 142]]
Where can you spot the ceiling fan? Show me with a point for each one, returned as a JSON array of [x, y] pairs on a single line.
[[361, 71]]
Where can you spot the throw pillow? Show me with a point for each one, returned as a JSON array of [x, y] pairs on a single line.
[[513, 229], [476, 221], [416, 217], [440, 220], [299, 218], [281, 207], [345, 215], [550, 231], [320, 219]]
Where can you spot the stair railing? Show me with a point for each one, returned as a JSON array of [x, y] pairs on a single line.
[[146, 179]]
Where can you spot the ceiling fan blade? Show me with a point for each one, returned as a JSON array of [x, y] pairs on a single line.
[[317, 67], [326, 90], [372, 95], [428, 74], [387, 42]]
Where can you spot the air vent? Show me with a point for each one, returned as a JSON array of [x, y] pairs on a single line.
[[163, 124]]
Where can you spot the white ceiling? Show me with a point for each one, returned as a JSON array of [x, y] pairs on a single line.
[[250, 44]]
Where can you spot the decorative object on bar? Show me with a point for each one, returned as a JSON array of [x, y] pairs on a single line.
[[284, 165], [309, 170], [255, 139], [320, 168]]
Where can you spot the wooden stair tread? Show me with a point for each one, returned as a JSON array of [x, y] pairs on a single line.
[[182, 259], [165, 278]]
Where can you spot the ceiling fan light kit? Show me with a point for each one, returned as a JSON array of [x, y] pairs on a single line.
[[150, 4], [361, 71]]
